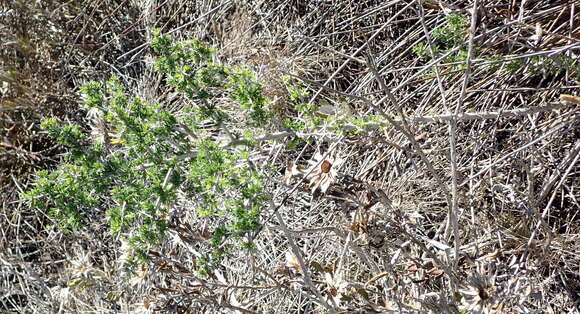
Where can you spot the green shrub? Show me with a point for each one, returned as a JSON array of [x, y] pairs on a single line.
[[145, 155]]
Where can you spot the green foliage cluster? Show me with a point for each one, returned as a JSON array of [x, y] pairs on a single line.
[[336, 118], [365, 124], [158, 155], [536, 65], [303, 116], [305, 112], [452, 35]]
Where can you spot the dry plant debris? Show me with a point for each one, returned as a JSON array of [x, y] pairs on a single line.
[[320, 174], [456, 123]]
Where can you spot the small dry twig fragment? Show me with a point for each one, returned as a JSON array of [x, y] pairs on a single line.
[[570, 98]]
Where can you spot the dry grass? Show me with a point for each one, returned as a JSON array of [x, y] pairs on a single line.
[[467, 201]]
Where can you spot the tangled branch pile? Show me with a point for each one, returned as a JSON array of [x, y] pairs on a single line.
[[413, 156]]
